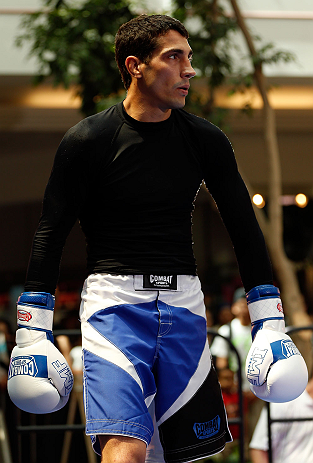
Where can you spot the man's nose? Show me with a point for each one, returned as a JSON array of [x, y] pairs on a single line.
[[188, 72]]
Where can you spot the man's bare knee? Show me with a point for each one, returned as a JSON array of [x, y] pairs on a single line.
[[122, 449]]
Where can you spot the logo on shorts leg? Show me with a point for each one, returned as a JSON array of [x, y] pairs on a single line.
[[208, 429]]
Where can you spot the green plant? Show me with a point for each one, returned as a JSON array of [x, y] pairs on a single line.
[[74, 45]]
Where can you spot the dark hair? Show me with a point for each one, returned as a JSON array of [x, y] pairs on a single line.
[[139, 37]]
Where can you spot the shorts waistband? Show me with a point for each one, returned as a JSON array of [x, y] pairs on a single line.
[[146, 282]]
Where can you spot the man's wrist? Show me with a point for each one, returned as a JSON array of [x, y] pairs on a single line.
[[265, 309], [264, 303], [35, 311]]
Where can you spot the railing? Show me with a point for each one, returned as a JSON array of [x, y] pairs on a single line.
[[290, 330], [238, 421], [32, 429]]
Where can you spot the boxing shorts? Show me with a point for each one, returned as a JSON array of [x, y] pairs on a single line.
[[144, 339]]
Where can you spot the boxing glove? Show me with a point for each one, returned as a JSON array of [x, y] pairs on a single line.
[[39, 378], [275, 368]]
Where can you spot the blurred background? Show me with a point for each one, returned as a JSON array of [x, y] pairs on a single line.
[[34, 118]]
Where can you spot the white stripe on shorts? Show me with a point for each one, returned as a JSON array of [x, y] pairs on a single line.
[[98, 345]]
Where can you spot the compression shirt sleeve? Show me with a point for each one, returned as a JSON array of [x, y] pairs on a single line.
[[61, 203], [234, 204]]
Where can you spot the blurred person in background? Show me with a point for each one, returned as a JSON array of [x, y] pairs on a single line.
[[6, 345], [238, 331], [8, 434], [292, 442]]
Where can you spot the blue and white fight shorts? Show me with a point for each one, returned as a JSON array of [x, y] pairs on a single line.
[[144, 339]]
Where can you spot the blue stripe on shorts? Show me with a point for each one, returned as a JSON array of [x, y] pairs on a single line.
[[116, 410]]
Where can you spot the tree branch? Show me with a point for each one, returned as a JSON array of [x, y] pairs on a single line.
[[286, 274]]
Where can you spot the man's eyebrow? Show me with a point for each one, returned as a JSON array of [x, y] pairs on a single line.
[[179, 51]]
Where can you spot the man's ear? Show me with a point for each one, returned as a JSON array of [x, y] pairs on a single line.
[[133, 66]]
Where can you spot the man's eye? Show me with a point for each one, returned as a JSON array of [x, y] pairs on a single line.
[[173, 56]]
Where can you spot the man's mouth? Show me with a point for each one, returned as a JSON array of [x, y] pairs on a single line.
[[184, 89]]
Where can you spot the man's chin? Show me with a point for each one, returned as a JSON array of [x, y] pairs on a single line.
[[173, 104], [178, 104]]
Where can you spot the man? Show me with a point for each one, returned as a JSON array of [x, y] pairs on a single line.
[[291, 440], [130, 175]]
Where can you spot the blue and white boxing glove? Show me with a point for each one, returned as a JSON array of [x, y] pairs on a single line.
[[275, 368], [39, 379]]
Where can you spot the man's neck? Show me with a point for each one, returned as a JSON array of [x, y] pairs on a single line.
[[138, 108]]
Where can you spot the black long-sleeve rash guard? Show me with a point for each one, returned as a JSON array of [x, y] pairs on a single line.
[[132, 185]]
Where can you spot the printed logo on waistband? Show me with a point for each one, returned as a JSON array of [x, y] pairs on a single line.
[[207, 429], [160, 281]]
